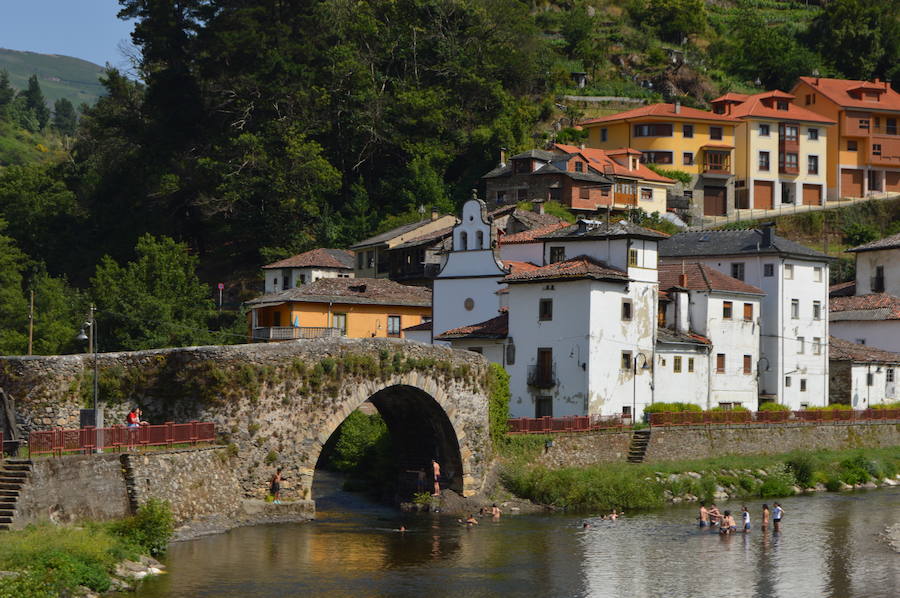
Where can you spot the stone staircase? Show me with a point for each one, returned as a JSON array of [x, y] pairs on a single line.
[[128, 473], [637, 450], [13, 475]]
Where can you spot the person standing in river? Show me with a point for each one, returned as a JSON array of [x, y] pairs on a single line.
[[437, 477], [777, 514], [704, 515], [765, 517]]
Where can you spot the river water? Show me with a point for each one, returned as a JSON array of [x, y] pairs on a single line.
[[829, 547]]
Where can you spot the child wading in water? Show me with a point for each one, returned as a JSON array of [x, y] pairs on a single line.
[[745, 516]]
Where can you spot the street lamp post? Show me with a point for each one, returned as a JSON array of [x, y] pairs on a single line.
[[634, 369], [91, 338]]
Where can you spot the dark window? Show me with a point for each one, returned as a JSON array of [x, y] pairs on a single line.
[[864, 123], [479, 239], [876, 149], [393, 328], [764, 130], [878, 280], [870, 379], [646, 194], [276, 318], [688, 158], [748, 312], [626, 360], [543, 407], [795, 309], [653, 130], [715, 133], [812, 134], [891, 126], [727, 309], [764, 160], [626, 309], [656, 157], [813, 164], [584, 192], [463, 241], [790, 133], [690, 364], [782, 104], [851, 145], [720, 363], [603, 134], [510, 354], [579, 166], [790, 160], [889, 375], [748, 364], [557, 254], [687, 130], [360, 260], [817, 310], [676, 364], [802, 384], [545, 309], [768, 269], [737, 270]]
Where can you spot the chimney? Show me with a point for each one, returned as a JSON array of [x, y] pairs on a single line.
[[766, 229], [537, 206], [502, 157], [581, 145], [677, 106], [434, 213], [682, 280]]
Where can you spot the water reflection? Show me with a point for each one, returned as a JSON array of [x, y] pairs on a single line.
[[829, 547]]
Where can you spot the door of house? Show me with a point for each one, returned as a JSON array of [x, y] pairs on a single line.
[[545, 364], [763, 192], [874, 180], [714, 201], [788, 193], [812, 195], [851, 182]]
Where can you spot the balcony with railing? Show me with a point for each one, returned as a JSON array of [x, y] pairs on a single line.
[[286, 333], [716, 162], [542, 376]]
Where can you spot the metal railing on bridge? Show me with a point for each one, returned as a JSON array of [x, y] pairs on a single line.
[[550, 425], [118, 438], [743, 418]]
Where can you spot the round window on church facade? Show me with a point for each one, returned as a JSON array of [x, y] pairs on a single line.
[[469, 304]]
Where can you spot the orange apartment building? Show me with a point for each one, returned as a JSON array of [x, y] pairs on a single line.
[[864, 144]]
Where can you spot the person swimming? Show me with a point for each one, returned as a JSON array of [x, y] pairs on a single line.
[[727, 526]]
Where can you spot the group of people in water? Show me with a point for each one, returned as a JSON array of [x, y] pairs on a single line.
[[712, 517]]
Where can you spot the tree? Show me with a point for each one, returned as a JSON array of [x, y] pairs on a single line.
[[64, 117], [154, 301], [13, 307], [35, 102], [59, 311], [7, 93], [860, 37]]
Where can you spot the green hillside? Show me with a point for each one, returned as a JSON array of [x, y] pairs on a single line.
[[60, 76]]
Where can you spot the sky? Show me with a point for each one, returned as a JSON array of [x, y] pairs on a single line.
[[86, 29]]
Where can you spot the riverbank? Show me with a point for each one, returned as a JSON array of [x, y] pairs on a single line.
[[46, 560], [647, 486]]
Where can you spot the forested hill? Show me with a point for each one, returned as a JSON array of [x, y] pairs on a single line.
[[260, 129]]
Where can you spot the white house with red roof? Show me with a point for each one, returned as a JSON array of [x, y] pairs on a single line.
[[308, 267], [780, 150], [862, 376], [583, 322], [719, 316]]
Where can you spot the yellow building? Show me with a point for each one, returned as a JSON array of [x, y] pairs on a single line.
[[352, 307], [781, 150], [695, 141], [864, 142]]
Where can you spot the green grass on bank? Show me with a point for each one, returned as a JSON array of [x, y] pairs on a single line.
[[55, 560], [626, 486]]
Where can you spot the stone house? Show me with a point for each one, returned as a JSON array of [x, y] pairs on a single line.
[[372, 254], [862, 376], [308, 267], [793, 353]]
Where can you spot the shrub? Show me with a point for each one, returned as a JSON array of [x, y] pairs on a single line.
[[894, 405], [357, 437], [271, 458], [498, 406], [150, 530], [858, 470], [773, 407], [856, 233], [779, 482], [802, 467], [739, 408], [832, 407], [671, 408]]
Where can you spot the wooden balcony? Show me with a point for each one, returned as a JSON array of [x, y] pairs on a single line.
[[286, 333]]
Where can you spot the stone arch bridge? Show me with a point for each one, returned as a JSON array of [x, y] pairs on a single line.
[[277, 404]]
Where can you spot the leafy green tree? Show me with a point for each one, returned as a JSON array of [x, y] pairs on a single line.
[[35, 102], [64, 117], [7, 93], [13, 307], [859, 37], [672, 19], [154, 301], [59, 311]]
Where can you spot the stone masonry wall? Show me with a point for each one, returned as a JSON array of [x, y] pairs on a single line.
[[593, 448], [276, 403]]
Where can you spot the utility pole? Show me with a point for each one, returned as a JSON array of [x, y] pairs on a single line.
[[31, 323]]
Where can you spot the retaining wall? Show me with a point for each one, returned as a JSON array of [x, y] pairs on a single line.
[[666, 444]]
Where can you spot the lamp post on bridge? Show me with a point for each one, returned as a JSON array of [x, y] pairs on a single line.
[[91, 338]]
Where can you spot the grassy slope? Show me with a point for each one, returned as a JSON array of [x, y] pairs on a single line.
[[20, 147], [59, 76]]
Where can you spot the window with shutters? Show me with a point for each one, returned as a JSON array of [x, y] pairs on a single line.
[[676, 364], [748, 312], [727, 309], [545, 309], [720, 363], [748, 364]]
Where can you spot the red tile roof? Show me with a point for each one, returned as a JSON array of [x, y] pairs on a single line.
[[892, 242], [753, 107], [842, 289], [317, 258], [497, 327], [515, 267], [662, 110], [531, 236], [702, 278], [601, 161], [880, 306], [420, 327], [731, 97], [581, 267], [843, 350], [372, 291], [837, 90]]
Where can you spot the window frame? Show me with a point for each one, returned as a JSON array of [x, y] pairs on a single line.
[[795, 309], [852, 146], [738, 270], [720, 363], [626, 361], [633, 258], [545, 309], [765, 127], [716, 133], [394, 320], [764, 163], [817, 310], [748, 364], [748, 312], [727, 310], [812, 164], [676, 364], [628, 307], [555, 251], [687, 158], [812, 134], [768, 270]]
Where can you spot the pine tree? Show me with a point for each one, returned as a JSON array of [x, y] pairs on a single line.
[[7, 93], [64, 118], [34, 100]]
